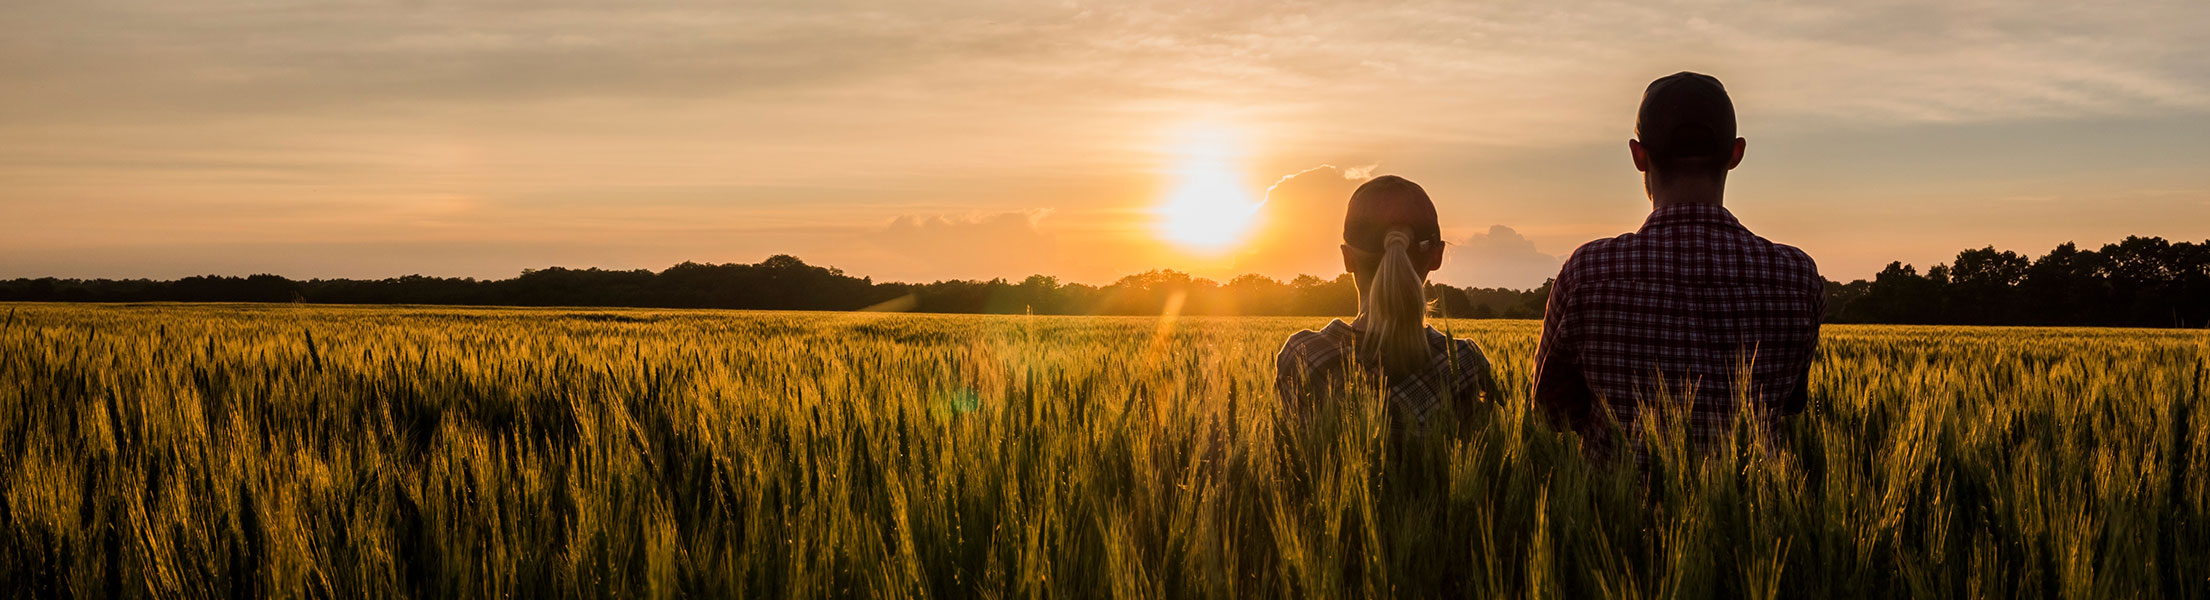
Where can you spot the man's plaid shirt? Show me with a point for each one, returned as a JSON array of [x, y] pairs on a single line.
[[1685, 304], [1312, 362]]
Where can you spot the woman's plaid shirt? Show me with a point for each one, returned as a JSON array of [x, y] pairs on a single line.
[[1314, 361], [1693, 307]]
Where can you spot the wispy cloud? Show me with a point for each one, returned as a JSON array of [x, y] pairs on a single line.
[[1359, 174], [677, 111]]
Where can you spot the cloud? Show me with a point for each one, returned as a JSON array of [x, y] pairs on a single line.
[[1301, 224], [666, 114], [1006, 245], [1499, 257], [1352, 174], [1304, 225], [1347, 63]]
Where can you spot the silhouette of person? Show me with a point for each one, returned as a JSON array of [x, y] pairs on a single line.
[[1692, 312], [1391, 241]]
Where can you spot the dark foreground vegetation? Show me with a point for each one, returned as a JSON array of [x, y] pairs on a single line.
[[2139, 282], [246, 451]]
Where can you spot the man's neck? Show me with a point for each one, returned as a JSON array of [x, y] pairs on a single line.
[[1689, 192]]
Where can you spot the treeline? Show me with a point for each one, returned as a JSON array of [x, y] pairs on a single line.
[[786, 283], [2139, 282], [2143, 282]]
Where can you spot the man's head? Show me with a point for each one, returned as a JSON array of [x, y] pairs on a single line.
[[1684, 132]]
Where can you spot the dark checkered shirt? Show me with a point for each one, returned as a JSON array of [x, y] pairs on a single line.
[[1678, 311], [1313, 362]]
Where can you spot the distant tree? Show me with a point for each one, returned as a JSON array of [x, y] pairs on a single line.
[[1984, 286], [1040, 294], [2064, 287], [1844, 301], [1900, 295], [1533, 303], [1489, 303], [2191, 290], [2144, 279], [1325, 297], [1449, 302], [1255, 294]]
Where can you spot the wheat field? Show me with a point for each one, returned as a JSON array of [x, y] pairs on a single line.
[[307, 451]]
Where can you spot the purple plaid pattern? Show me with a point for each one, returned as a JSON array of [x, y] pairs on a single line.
[[1682, 306], [1313, 361]]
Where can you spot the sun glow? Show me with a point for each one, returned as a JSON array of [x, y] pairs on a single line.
[[1210, 206]]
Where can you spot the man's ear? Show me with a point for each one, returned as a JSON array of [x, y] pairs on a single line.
[[1642, 157], [1736, 160], [1350, 260]]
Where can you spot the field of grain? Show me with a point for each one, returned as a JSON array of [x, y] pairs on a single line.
[[278, 450]]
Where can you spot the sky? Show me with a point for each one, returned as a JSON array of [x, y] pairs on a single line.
[[933, 139]]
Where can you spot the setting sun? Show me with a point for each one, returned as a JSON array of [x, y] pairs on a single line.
[[1209, 206], [1207, 211]]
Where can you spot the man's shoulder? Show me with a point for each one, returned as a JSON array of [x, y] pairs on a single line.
[[1612, 250], [1793, 254], [1793, 261], [1596, 249], [1600, 254]]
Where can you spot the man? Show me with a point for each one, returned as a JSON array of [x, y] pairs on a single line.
[[1692, 315]]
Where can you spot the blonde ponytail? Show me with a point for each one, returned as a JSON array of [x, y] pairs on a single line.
[[1396, 308]]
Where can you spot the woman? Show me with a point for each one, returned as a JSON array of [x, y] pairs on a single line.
[[1391, 241]]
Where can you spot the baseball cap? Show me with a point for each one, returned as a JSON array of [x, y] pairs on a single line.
[[1389, 202], [1686, 114]]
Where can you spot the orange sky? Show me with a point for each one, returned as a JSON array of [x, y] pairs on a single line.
[[972, 139]]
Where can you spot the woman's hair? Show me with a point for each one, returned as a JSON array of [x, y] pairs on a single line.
[[1396, 307], [1390, 218]]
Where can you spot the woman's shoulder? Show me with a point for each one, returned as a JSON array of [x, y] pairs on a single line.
[[1319, 346], [1462, 349]]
